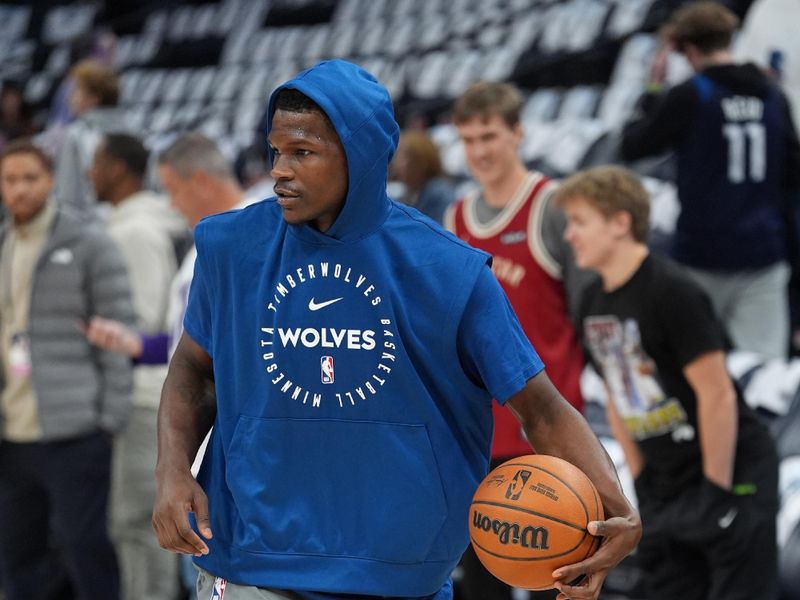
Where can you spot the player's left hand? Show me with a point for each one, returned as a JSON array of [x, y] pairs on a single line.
[[620, 536]]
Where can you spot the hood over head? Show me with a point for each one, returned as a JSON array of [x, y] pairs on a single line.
[[746, 78], [361, 111]]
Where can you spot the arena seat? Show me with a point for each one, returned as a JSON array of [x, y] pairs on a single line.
[[539, 140], [769, 33], [542, 105], [176, 85], [572, 139], [65, 23], [14, 21], [580, 102], [618, 103], [402, 39], [497, 64], [628, 17], [150, 88], [634, 59], [200, 83]]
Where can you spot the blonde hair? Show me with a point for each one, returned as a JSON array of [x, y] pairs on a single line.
[[485, 99], [610, 190], [98, 80]]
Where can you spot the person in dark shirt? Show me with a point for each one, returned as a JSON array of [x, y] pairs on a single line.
[[738, 163], [705, 468]]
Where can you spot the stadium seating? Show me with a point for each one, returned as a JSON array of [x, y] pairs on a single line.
[[581, 63], [185, 64]]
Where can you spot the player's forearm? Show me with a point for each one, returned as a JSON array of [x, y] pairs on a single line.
[[186, 413], [717, 419], [555, 428], [182, 425], [717, 415]]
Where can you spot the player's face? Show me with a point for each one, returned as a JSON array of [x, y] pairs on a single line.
[[309, 168], [590, 233], [25, 184], [491, 147]]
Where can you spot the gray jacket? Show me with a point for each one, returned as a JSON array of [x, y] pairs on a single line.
[[80, 389]]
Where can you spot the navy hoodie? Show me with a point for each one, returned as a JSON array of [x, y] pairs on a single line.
[[349, 436]]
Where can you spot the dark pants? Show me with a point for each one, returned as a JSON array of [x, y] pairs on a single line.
[[707, 544], [478, 584], [56, 494]]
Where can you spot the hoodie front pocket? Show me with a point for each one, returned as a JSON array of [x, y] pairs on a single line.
[[334, 487]]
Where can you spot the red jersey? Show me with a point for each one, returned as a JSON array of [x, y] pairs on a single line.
[[531, 279]]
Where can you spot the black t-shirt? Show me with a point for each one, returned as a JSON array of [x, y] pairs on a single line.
[[640, 337]]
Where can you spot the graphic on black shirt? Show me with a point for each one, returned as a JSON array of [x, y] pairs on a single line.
[[632, 380]]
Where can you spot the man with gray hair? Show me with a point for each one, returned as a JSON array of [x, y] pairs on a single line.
[[139, 222], [200, 182]]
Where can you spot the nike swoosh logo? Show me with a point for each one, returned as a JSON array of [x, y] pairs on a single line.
[[726, 520], [314, 306]]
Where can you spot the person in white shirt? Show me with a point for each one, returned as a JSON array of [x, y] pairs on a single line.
[[199, 181], [136, 223]]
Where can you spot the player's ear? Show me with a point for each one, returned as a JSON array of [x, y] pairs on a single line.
[[519, 131], [622, 223]]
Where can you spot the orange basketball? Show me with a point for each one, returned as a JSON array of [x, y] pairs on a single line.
[[529, 516]]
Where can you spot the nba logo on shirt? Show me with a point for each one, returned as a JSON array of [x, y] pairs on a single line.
[[218, 593], [326, 367]]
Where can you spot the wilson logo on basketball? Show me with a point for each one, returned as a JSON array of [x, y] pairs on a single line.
[[510, 533]]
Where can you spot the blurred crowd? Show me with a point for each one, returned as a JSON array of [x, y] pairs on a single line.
[[85, 349]]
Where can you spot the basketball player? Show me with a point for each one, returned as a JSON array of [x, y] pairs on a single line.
[[705, 468], [511, 218], [738, 159], [346, 350]]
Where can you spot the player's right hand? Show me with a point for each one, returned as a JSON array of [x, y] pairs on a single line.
[[620, 536], [178, 494]]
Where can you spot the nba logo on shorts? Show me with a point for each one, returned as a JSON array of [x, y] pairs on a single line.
[[218, 593], [326, 368]]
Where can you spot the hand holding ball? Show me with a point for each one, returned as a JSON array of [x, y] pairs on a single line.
[[528, 518]]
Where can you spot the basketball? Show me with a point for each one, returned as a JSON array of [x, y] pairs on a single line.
[[529, 516]]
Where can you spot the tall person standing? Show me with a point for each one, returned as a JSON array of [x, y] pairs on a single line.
[[346, 351], [138, 223], [511, 217], [200, 182], [61, 400], [705, 468], [738, 166]]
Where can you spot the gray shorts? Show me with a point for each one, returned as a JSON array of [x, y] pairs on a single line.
[[210, 587]]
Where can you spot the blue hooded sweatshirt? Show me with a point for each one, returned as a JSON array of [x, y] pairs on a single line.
[[354, 372]]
